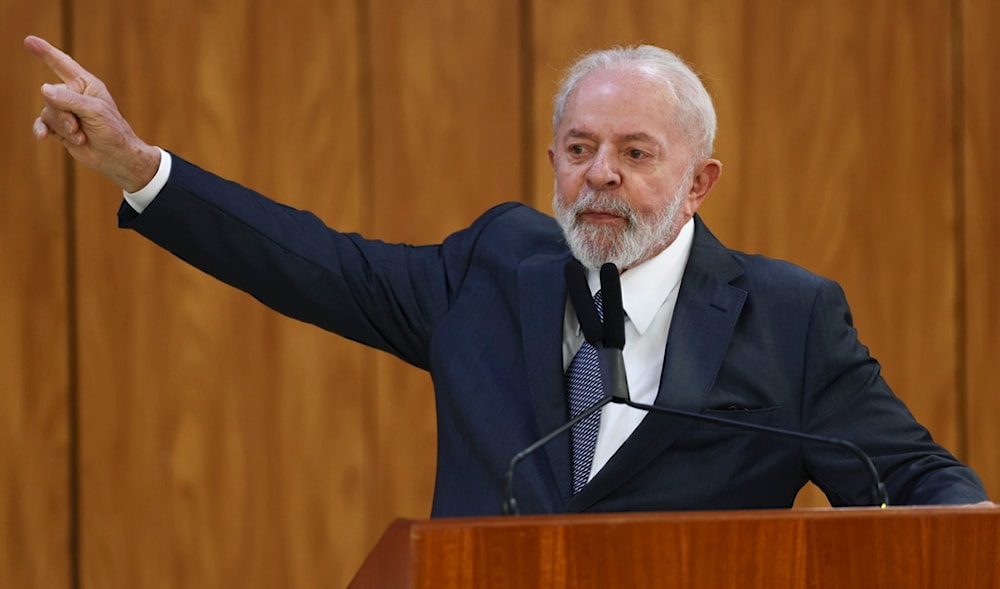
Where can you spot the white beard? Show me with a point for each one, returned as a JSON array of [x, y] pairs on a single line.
[[642, 238]]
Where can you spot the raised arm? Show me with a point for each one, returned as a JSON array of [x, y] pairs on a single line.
[[80, 113]]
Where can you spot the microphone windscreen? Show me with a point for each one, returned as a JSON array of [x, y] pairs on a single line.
[[583, 302], [614, 310]]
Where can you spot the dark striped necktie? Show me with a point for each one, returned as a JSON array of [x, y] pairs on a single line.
[[583, 383]]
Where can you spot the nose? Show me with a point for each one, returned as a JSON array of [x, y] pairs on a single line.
[[603, 172]]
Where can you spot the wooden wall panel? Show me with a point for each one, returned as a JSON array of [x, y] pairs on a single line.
[[35, 453], [446, 138], [982, 216], [835, 131], [221, 444]]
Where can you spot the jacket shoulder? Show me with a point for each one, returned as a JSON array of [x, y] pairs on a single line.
[[511, 229]]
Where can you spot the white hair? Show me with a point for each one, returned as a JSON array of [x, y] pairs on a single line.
[[695, 111]]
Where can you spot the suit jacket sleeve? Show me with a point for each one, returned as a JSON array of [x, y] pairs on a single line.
[[387, 296], [846, 397]]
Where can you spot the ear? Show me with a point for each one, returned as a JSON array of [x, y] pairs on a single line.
[[707, 173], [552, 155]]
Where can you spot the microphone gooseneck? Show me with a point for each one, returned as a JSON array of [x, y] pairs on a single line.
[[879, 495], [509, 504]]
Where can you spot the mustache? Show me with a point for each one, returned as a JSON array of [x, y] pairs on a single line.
[[591, 200]]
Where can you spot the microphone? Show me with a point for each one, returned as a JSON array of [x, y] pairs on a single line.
[[614, 310], [879, 495], [610, 354]]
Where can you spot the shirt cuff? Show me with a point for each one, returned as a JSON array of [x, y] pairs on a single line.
[[141, 198]]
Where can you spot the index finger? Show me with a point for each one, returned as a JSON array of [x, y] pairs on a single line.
[[62, 64]]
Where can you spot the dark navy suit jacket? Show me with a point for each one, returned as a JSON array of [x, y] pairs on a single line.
[[752, 339]]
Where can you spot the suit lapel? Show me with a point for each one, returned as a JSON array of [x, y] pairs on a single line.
[[542, 299], [700, 331]]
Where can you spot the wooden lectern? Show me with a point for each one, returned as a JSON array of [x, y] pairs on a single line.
[[902, 547]]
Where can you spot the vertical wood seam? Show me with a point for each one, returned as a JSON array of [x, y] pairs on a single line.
[[527, 101], [961, 234], [72, 339], [367, 211]]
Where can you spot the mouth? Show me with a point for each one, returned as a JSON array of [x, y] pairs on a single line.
[[597, 217]]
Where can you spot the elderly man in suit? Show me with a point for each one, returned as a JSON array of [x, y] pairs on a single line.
[[708, 329]]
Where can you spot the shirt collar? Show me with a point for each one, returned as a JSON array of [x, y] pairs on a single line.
[[646, 287]]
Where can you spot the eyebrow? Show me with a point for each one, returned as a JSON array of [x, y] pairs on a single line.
[[579, 134], [640, 137], [637, 136]]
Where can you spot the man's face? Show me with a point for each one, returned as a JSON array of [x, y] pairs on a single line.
[[626, 177]]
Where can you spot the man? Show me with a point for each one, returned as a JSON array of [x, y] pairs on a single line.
[[708, 329]]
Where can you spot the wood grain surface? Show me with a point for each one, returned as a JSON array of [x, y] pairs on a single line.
[[942, 548], [981, 238], [36, 511], [221, 445]]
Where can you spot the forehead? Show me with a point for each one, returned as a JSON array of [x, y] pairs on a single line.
[[619, 103]]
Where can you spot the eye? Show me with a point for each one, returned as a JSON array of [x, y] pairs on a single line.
[[577, 149], [637, 154]]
